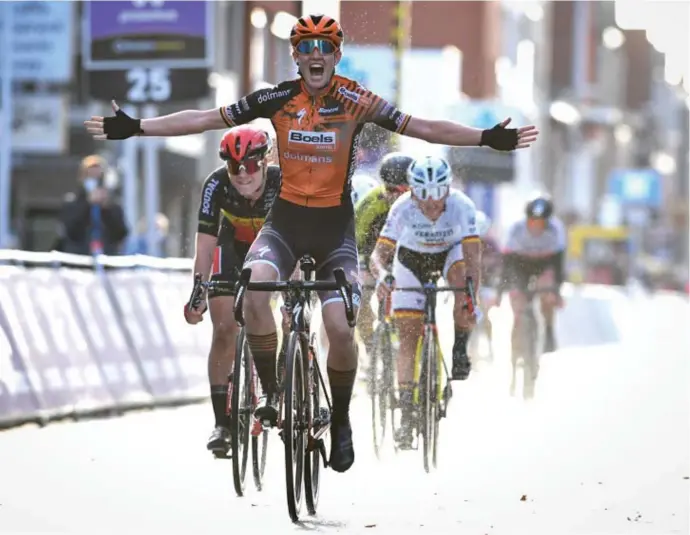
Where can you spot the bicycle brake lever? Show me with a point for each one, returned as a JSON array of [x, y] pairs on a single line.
[[345, 291], [240, 290]]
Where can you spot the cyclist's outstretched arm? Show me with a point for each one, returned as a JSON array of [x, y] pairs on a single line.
[[261, 103], [385, 115], [183, 123], [450, 133]]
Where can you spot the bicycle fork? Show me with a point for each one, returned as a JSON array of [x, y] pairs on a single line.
[[442, 393]]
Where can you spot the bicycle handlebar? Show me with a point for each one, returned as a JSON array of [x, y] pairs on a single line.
[[341, 284], [197, 289], [430, 287]]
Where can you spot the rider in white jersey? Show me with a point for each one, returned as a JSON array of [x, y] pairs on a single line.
[[535, 247], [429, 229]]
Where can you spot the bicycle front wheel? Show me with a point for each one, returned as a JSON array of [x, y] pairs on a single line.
[[427, 393], [380, 385], [241, 412], [294, 424], [312, 460]]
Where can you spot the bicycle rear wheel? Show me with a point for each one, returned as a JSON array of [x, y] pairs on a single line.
[[294, 428], [380, 384], [241, 413]]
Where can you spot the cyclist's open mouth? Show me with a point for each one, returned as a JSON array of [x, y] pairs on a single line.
[[316, 70]]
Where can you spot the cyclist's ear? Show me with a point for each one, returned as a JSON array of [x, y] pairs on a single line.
[[338, 56]]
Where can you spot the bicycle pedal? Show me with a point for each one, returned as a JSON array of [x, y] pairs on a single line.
[[220, 454]]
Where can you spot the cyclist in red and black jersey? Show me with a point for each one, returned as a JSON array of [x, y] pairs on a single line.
[[317, 118], [235, 200]]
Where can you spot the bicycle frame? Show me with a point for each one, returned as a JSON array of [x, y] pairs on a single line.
[[298, 298], [430, 290], [299, 429]]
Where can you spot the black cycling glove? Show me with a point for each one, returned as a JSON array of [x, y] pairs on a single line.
[[500, 138], [121, 126]]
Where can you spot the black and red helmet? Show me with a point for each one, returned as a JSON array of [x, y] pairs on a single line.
[[245, 142]]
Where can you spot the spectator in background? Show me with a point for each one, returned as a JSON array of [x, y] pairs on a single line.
[[92, 221], [140, 245]]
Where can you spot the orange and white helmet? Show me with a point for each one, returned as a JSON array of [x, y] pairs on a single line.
[[317, 27]]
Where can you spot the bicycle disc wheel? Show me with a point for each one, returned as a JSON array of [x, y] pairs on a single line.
[[379, 386], [259, 436], [294, 430], [312, 460], [240, 417], [425, 395]]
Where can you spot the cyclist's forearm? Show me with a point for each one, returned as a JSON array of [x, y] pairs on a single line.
[[558, 263], [380, 259], [182, 123], [203, 255], [472, 254]]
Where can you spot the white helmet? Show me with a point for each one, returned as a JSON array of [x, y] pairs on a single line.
[[430, 177], [361, 185], [483, 223]]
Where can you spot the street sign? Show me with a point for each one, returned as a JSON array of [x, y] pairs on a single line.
[[124, 35], [148, 51], [641, 187], [152, 85], [41, 40]]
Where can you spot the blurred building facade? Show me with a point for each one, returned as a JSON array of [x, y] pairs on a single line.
[[597, 94]]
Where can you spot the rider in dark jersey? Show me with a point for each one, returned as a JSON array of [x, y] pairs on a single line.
[[234, 202]]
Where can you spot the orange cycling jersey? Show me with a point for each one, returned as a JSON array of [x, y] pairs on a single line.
[[317, 135]]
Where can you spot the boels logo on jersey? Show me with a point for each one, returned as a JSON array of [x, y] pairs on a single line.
[[310, 141]]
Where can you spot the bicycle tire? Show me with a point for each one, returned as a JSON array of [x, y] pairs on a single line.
[[259, 441], [425, 395], [312, 460], [240, 417], [435, 402], [529, 356], [390, 380], [379, 389], [294, 418]]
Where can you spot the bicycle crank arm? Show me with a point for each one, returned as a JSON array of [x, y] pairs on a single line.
[[321, 429], [322, 449]]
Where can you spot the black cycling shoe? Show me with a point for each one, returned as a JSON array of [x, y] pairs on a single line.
[[461, 365], [405, 434], [267, 410], [219, 440], [342, 450]]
